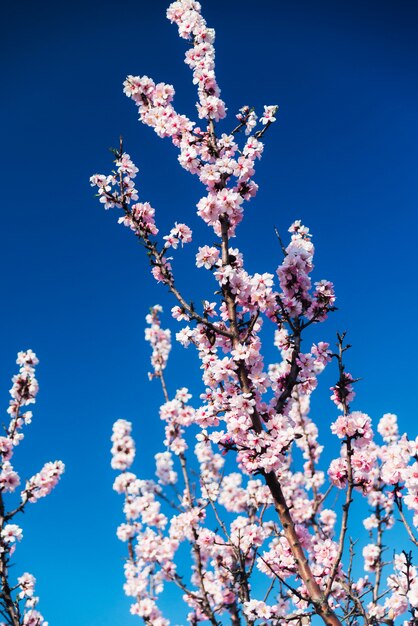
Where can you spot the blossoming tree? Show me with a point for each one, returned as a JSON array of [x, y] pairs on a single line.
[[265, 545], [18, 600]]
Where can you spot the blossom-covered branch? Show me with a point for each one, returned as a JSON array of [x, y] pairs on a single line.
[[18, 601], [266, 521]]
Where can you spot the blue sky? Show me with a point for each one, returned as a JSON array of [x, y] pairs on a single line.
[[76, 287]]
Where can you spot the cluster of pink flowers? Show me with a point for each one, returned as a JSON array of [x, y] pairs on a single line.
[[295, 281], [216, 160], [123, 449], [201, 57], [156, 538], [141, 508], [343, 392], [358, 452], [23, 392], [11, 533], [180, 233], [18, 602], [224, 401], [121, 178], [177, 415], [402, 585], [257, 609], [164, 471], [248, 118], [118, 190], [159, 339], [247, 535], [44, 481], [26, 587]]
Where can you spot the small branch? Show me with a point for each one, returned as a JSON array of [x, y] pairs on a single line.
[[379, 543], [283, 247], [350, 479], [405, 522]]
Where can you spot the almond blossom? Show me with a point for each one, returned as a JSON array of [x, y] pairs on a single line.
[[243, 499], [18, 600]]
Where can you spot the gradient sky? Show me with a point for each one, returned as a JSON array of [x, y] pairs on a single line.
[[76, 286]]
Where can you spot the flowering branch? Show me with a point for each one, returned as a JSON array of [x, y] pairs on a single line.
[[18, 602], [260, 413]]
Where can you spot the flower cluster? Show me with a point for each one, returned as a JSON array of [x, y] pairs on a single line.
[[296, 283], [343, 392], [216, 160], [201, 57], [159, 339], [121, 179], [179, 234], [18, 602], [369, 468], [123, 448], [44, 481]]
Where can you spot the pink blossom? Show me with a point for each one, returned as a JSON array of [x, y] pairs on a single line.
[[27, 585], [42, 483], [354, 424], [269, 114], [388, 427], [123, 448], [207, 257], [11, 533], [371, 553]]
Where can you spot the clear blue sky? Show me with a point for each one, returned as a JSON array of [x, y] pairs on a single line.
[[76, 287]]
